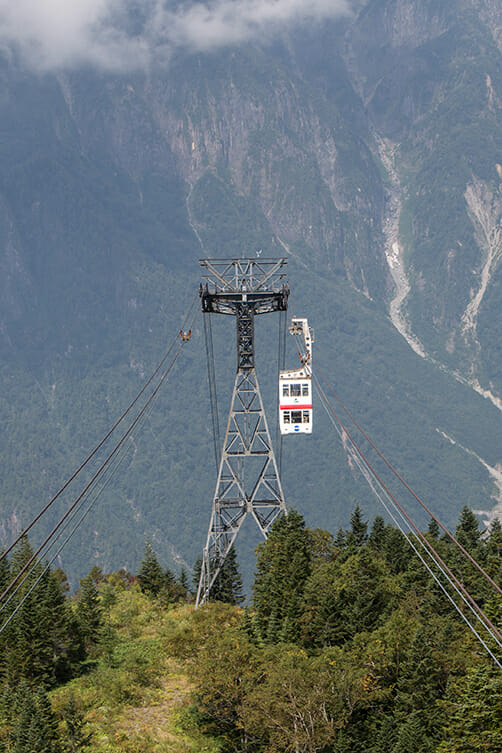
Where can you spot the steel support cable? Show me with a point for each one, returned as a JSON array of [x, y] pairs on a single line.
[[111, 472], [91, 498], [99, 445], [281, 360], [411, 543], [95, 476], [412, 525], [367, 475], [58, 552], [400, 478], [208, 338]]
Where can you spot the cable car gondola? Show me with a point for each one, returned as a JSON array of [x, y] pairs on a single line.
[[295, 387]]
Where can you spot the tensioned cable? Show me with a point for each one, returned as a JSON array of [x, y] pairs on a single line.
[[96, 475], [92, 503], [101, 443], [108, 473], [58, 552], [91, 482], [412, 525], [370, 480], [399, 477], [208, 337], [281, 361]]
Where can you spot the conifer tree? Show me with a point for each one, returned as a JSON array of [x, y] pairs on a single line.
[[183, 580], [468, 533], [474, 713], [386, 736], [38, 643], [421, 684], [397, 550], [89, 613], [76, 733], [196, 571], [228, 584], [358, 533], [283, 566], [150, 574], [5, 576], [340, 538], [378, 534], [433, 529], [494, 549], [411, 736], [36, 730]]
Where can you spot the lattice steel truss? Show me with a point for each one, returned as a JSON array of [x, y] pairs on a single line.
[[248, 480]]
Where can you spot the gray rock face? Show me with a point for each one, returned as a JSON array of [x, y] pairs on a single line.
[[367, 148]]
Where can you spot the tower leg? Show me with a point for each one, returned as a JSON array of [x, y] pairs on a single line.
[[248, 479]]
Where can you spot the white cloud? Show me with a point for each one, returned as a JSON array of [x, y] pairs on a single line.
[[128, 34]]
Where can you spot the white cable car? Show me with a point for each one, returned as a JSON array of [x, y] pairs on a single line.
[[295, 387]]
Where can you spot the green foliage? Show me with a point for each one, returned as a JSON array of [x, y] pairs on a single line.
[[40, 642], [77, 734], [474, 713], [358, 533], [372, 659], [157, 582], [283, 565], [267, 148], [228, 584], [151, 576], [89, 612], [28, 722], [377, 660]]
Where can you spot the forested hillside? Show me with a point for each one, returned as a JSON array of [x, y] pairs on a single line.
[[360, 140], [348, 644]]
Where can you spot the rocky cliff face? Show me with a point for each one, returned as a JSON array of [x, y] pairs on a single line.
[[368, 149], [430, 77]]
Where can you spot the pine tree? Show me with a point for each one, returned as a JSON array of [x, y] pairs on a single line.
[[196, 571], [378, 534], [150, 574], [228, 584], [5, 576], [75, 722], [283, 566], [38, 643], [494, 550], [397, 551], [358, 533], [420, 685], [411, 736], [468, 533], [433, 529], [474, 714], [89, 613], [183, 580], [386, 736], [341, 538], [36, 730]]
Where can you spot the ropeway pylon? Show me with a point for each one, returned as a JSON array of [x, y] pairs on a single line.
[[248, 480]]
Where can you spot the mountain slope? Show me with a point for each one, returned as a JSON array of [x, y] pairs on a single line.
[[340, 146]]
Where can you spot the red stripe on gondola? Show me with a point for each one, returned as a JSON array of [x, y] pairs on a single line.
[[297, 406]]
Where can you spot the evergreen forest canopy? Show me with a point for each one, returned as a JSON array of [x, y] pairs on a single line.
[[347, 645], [353, 145]]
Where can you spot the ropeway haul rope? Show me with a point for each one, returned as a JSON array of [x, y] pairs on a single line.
[[182, 338], [382, 492]]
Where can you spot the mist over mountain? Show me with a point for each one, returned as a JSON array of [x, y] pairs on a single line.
[[362, 141]]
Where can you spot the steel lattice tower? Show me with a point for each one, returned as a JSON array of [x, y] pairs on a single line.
[[248, 480]]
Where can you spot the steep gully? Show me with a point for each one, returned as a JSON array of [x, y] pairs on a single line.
[[485, 211]]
